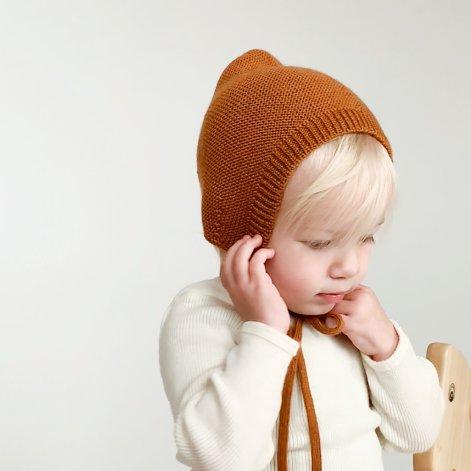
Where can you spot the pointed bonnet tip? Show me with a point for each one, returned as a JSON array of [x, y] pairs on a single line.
[[250, 60]]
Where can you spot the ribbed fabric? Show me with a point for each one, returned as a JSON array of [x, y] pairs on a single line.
[[298, 367], [224, 378], [264, 118]]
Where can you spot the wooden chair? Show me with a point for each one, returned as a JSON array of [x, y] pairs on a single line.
[[452, 449]]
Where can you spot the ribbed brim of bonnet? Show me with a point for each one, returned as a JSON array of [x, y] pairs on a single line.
[[263, 119]]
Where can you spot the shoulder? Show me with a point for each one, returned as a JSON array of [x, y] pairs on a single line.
[[211, 289], [203, 305]]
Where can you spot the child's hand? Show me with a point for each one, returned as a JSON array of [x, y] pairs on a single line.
[[366, 324], [250, 287]]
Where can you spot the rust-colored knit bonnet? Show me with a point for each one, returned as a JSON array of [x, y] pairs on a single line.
[[263, 120]]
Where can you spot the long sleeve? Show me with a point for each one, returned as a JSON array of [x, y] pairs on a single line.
[[223, 379], [405, 391]]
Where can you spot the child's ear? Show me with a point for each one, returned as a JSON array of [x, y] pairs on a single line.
[[252, 59]]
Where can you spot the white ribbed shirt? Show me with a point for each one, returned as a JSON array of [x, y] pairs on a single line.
[[223, 378]]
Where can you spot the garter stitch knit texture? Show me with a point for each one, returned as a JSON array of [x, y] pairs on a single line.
[[264, 118]]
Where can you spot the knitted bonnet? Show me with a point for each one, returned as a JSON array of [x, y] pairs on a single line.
[[264, 118]]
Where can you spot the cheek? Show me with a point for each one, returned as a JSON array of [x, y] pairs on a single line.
[[365, 258], [288, 259], [280, 263], [282, 267], [296, 270]]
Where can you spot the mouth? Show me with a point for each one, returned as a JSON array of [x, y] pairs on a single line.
[[335, 293], [332, 297]]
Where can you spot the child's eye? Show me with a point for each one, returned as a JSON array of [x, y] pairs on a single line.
[[369, 239], [320, 244]]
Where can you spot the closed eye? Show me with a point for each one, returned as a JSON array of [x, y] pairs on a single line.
[[320, 244]]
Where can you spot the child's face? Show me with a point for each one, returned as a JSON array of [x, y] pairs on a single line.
[[300, 272]]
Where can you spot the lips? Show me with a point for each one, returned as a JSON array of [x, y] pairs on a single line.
[[332, 297], [338, 292]]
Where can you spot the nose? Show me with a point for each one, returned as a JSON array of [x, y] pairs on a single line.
[[346, 264]]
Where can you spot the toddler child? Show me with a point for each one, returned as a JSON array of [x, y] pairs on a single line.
[[286, 360]]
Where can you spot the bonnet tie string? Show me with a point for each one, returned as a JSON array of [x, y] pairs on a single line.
[[298, 366]]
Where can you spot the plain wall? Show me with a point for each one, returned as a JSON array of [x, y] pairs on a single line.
[[101, 107]]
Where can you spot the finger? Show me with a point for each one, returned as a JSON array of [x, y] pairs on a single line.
[[342, 308], [345, 322], [257, 270], [225, 269], [240, 261], [346, 306], [354, 293]]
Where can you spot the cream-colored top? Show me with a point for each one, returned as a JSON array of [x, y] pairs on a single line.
[[224, 378]]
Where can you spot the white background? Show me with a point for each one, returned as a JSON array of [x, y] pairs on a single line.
[[101, 104]]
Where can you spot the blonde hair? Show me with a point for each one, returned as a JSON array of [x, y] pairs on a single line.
[[349, 188]]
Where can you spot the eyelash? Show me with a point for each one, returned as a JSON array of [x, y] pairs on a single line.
[[322, 244]]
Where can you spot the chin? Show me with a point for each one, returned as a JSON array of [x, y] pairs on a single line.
[[309, 311], [317, 314]]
